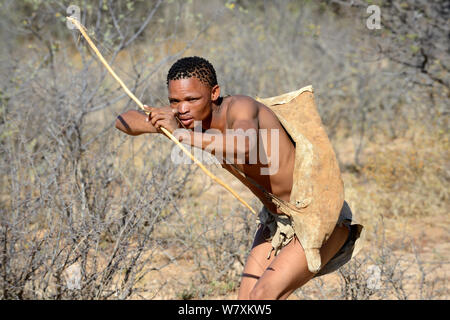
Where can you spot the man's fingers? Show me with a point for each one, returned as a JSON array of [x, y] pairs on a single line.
[[149, 110], [156, 117], [146, 107], [156, 114], [160, 123]]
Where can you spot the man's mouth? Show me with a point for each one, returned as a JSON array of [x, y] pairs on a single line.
[[186, 121]]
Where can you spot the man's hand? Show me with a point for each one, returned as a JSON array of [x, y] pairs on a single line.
[[163, 117]]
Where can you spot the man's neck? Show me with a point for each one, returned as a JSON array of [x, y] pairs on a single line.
[[214, 120]]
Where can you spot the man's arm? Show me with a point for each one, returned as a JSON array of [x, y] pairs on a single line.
[[242, 118], [240, 138], [134, 123]]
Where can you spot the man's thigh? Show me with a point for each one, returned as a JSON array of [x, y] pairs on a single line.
[[289, 269], [256, 263]]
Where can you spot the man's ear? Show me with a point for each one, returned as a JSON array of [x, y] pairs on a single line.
[[215, 92]]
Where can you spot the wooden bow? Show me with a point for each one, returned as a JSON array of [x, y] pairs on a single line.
[[82, 29]]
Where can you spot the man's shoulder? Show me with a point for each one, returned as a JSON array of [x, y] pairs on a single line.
[[240, 107], [241, 103], [240, 98]]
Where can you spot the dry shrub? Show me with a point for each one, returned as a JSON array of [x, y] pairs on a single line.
[[385, 269], [218, 242], [411, 175]]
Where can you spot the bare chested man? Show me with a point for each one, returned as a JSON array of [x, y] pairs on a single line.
[[194, 97]]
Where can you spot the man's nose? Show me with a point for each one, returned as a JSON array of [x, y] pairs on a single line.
[[183, 108]]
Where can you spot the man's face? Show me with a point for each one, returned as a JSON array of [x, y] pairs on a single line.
[[191, 98]]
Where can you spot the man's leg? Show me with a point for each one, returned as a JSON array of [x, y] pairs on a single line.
[[256, 264], [289, 269]]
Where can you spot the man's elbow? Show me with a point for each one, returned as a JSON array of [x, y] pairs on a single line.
[[245, 150], [119, 124], [251, 150], [246, 154]]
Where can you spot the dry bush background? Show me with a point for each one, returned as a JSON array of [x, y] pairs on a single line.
[[88, 213]]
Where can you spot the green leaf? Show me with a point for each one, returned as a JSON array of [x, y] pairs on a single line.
[[412, 36], [414, 48], [130, 6]]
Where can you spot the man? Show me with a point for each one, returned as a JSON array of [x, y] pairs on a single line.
[[195, 100]]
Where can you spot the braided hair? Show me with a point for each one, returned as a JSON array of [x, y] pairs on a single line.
[[190, 67]]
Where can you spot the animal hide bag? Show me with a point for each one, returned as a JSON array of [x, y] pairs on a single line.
[[317, 194]]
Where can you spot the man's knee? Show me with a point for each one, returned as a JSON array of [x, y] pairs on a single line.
[[262, 292]]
